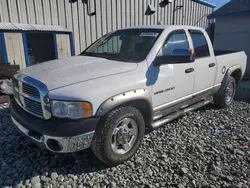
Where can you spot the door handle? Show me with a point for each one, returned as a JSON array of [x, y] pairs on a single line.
[[189, 70], [211, 65]]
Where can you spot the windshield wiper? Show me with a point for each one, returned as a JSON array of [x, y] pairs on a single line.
[[115, 56], [88, 53], [105, 55]]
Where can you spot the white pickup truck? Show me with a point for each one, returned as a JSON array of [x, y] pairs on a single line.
[[126, 82]]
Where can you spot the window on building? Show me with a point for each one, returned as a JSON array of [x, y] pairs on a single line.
[[200, 44], [176, 40]]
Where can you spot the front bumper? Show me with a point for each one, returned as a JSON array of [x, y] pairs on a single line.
[[58, 144], [56, 135]]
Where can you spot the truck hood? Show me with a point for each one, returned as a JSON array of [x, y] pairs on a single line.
[[60, 73]]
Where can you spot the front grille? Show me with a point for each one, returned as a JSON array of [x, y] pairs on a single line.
[[29, 94], [30, 90], [28, 97], [33, 106]]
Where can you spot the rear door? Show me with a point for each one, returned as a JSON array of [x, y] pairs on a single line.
[[205, 63]]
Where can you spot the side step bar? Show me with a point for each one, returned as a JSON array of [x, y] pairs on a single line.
[[158, 123]]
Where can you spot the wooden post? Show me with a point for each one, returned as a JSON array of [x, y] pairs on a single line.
[[8, 71]]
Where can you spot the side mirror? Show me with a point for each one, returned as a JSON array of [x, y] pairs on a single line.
[[177, 56]]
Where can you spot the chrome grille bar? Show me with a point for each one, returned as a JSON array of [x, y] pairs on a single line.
[[29, 94], [30, 90], [33, 106], [15, 83]]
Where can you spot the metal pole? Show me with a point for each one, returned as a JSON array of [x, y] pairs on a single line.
[[183, 16], [173, 21]]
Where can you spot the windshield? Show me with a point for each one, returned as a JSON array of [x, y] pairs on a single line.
[[130, 45]]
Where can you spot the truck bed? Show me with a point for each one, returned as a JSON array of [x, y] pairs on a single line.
[[226, 59], [223, 52]]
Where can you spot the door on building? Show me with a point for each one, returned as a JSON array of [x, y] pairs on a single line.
[[174, 83], [63, 45], [15, 49], [40, 47], [204, 62]]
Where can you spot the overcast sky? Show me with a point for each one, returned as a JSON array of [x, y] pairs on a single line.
[[218, 3]]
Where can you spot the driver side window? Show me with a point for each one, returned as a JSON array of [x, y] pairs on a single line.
[[176, 40]]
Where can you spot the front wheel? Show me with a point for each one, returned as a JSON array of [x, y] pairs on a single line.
[[225, 96], [118, 135]]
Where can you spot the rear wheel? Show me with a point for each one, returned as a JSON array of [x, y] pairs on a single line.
[[225, 96], [118, 135]]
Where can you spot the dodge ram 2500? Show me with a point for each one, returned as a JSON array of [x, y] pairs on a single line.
[[126, 82]]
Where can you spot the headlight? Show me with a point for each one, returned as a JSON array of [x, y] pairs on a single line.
[[73, 110]]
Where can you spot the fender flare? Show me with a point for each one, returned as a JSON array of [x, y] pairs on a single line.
[[233, 68], [229, 72], [125, 97]]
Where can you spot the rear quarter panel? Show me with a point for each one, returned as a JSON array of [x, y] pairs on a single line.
[[224, 62]]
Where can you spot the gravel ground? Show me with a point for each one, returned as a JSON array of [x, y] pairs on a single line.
[[205, 148]]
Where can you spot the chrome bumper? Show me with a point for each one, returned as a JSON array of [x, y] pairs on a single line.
[[59, 144]]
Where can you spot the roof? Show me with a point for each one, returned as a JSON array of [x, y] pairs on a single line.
[[163, 27], [205, 3], [31, 27], [148, 27], [233, 7]]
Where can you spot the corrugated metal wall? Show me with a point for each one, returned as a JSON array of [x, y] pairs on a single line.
[[233, 33], [110, 15]]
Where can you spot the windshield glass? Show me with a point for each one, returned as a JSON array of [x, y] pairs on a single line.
[[130, 45]]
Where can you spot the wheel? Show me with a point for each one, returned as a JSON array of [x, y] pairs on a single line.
[[225, 96], [118, 135]]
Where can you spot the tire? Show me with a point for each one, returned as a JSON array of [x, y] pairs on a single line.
[[104, 143], [221, 99]]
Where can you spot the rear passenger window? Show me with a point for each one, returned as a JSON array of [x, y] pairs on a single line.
[[200, 44]]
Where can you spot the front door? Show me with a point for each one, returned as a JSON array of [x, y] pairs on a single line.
[[173, 82], [15, 49], [205, 64]]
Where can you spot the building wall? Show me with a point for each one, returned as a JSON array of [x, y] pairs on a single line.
[[233, 33], [110, 15]]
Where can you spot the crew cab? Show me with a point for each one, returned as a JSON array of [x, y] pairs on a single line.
[[126, 82]]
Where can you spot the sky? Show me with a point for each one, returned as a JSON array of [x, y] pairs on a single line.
[[218, 3]]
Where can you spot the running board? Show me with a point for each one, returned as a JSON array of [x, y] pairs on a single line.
[[166, 119]]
